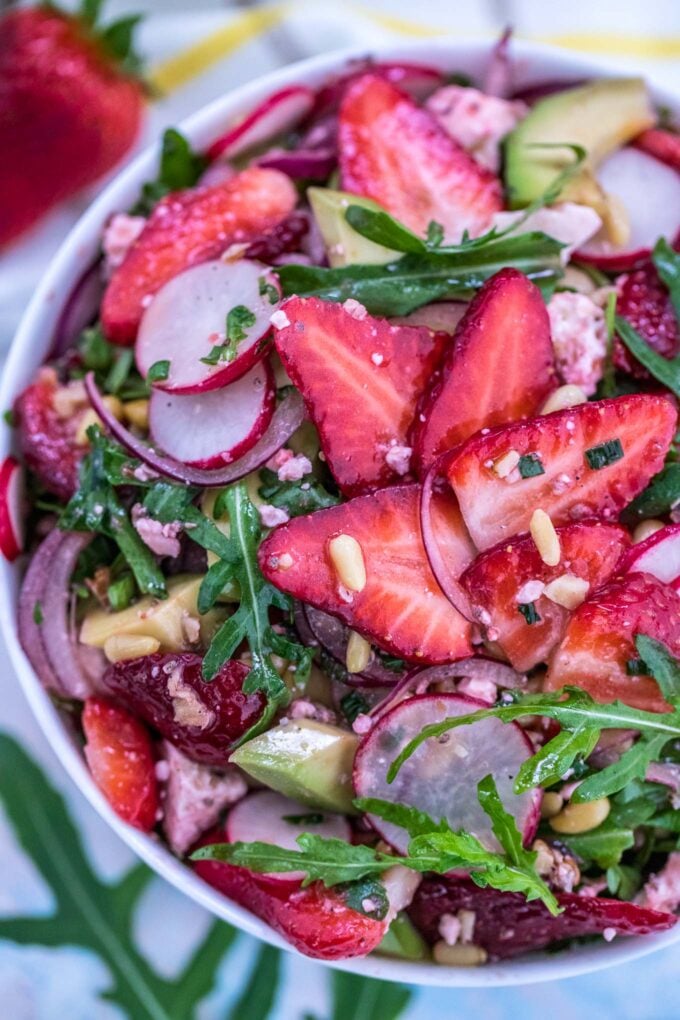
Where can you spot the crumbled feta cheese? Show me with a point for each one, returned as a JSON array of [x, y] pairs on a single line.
[[399, 459], [272, 516], [579, 336], [476, 121], [449, 929], [120, 233], [302, 708], [279, 320], [294, 468], [662, 891], [530, 591], [362, 724], [567, 222], [377, 359], [478, 687], [354, 308], [162, 539]]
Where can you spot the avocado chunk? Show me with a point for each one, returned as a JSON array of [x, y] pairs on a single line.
[[344, 247], [308, 761], [600, 116], [403, 940]]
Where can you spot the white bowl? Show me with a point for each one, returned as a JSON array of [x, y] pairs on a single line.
[[30, 346]]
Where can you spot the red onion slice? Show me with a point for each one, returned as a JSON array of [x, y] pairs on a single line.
[[30, 596], [498, 77], [448, 583], [307, 164], [80, 309], [286, 419]]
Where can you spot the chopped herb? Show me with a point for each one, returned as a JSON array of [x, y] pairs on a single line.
[[529, 612], [310, 819], [37, 614], [367, 896], [636, 667], [604, 454], [530, 466], [9, 418], [435, 233], [159, 371], [238, 320], [391, 662], [268, 290], [352, 705], [121, 593]]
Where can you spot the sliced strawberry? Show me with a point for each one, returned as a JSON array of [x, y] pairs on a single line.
[[189, 227], [361, 379], [664, 145], [506, 924], [512, 574], [119, 755], [401, 608], [598, 647], [48, 438], [499, 368], [594, 459], [645, 302], [315, 920], [395, 152]]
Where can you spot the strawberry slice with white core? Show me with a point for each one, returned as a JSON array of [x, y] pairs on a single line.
[[585, 461], [598, 651], [276, 115], [269, 817], [500, 367], [524, 604], [441, 776], [210, 324], [400, 607], [361, 379], [209, 429], [397, 153], [11, 518], [649, 192], [658, 555]]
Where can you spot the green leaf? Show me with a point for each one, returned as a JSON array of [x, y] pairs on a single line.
[[660, 496], [90, 913], [296, 498], [415, 822], [356, 894], [180, 167], [666, 370], [118, 40], [361, 998], [631, 765], [383, 229], [256, 1000], [159, 371], [667, 262], [556, 756], [603, 846], [623, 881], [663, 666], [89, 11]]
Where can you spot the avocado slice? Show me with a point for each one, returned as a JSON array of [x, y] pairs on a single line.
[[308, 761], [600, 116], [344, 247], [403, 940]]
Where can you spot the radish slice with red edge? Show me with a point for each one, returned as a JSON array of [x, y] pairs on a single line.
[[441, 776], [188, 319], [650, 193], [279, 113], [269, 817], [435, 494], [208, 429], [287, 419], [658, 555], [11, 518]]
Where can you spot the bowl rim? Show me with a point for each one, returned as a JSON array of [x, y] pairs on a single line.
[[34, 334]]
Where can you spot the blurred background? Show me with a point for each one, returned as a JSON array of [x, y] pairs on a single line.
[[192, 53]]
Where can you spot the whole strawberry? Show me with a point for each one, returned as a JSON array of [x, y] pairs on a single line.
[[70, 107]]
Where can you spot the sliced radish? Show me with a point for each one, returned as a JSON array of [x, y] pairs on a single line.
[[650, 193], [11, 499], [208, 429], [188, 318], [440, 317], [658, 555], [268, 817], [441, 777], [278, 114]]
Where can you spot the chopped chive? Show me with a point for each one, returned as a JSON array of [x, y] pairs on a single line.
[[530, 466], [119, 371], [159, 371], [311, 819], [37, 614], [636, 667], [352, 705], [604, 454], [528, 611], [435, 233], [268, 290], [121, 593]]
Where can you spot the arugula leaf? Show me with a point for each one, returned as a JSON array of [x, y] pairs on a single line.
[[631, 765], [295, 498], [95, 915], [180, 167], [418, 278], [660, 496], [552, 760], [666, 370], [95, 507], [623, 881], [663, 666], [667, 262], [603, 846], [113, 366]]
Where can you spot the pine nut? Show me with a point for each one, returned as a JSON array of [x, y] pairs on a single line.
[[565, 396], [506, 464], [137, 413], [647, 528], [545, 538], [575, 818], [551, 804], [467, 955], [358, 653], [567, 590], [129, 646], [348, 560]]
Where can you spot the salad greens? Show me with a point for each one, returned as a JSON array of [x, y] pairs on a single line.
[[179, 167]]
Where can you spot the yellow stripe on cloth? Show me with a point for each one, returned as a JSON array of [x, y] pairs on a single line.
[[619, 44], [176, 71]]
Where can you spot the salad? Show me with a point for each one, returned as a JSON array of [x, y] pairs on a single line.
[[351, 487]]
